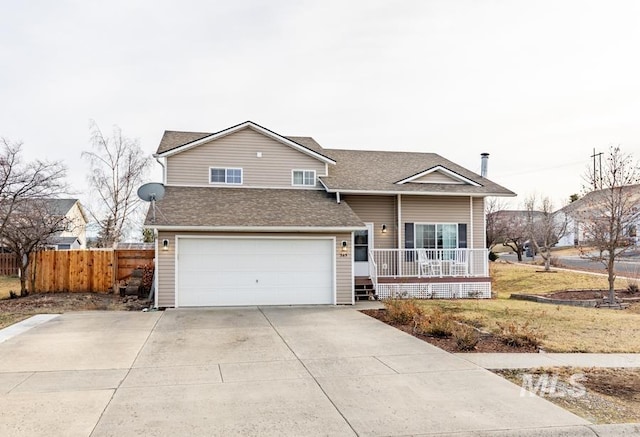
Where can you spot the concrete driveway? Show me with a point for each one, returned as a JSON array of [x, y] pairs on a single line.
[[252, 371]]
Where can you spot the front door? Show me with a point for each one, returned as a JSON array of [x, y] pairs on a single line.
[[362, 244]]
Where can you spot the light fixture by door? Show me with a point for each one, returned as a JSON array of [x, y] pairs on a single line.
[[165, 244], [384, 229], [344, 245]]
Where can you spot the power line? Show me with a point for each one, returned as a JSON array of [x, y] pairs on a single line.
[[541, 169], [598, 178]]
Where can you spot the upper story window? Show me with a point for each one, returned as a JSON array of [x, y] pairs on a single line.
[[304, 178], [220, 175]]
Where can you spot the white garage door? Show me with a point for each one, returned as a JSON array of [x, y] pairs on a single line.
[[235, 271]]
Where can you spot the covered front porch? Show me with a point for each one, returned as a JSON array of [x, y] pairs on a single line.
[[430, 273]]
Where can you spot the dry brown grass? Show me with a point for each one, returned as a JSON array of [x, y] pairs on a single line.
[[517, 278], [7, 284], [561, 328]]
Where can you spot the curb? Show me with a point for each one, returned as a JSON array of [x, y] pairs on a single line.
[[622, 429], [24, 326]]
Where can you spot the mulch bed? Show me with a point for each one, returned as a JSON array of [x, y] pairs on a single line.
[[64, 302], [487, 343]]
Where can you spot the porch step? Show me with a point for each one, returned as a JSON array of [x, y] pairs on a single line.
[[364, 289]]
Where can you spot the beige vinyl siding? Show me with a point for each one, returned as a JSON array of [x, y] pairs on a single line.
[[166, 270], [437, 178], [479, 230], [240, 150], [77, 226], [166, 263], [344, 272], [435, 209], [378, 210]]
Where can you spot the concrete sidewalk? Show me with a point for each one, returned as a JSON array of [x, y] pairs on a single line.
[[532, 360], [256, 371]]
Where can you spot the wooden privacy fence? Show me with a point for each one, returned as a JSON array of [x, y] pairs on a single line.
[[9, 264], [86, 270]]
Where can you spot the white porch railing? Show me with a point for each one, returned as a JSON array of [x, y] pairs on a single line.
[[408, 263], [373, 268]]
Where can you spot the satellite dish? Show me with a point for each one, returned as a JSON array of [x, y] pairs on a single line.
[[150, 193]]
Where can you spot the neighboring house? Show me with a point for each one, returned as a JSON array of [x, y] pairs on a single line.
[[251, 217], [592, 206], [75, 236]]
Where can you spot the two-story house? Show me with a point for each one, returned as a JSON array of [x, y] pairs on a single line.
[[252, 217], [75, 235]]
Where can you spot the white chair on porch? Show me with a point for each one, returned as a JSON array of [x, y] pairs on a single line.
[[460, 265], [427, 266]]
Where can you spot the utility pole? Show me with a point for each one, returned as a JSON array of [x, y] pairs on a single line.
[[597, 178]]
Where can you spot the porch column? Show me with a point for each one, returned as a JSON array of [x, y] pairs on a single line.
[[470, 246], [399, 214]]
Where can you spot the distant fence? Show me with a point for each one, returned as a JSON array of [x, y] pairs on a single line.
[[9, 265], [85, 270]]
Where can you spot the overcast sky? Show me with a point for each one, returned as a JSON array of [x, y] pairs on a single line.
[[537, 84]]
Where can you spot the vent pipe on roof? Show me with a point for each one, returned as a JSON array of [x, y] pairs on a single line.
[[484, 164]]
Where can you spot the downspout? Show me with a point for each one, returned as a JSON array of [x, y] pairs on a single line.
[[338, 196], [164, 169]]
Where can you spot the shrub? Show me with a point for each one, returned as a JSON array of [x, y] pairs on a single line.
[[402, 311], [436, 324], [555, 262], [492, 256], [633, 287], [515, 335], [466, 337]]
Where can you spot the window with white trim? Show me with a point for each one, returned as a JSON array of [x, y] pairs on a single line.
[[436, 236], [303, 178], [223, 175]]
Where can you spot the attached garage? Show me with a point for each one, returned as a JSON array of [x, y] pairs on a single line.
[[235, 271]]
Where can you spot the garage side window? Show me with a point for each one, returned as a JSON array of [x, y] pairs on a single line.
[[223, 175]]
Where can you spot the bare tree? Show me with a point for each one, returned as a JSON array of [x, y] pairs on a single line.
[[608, 214], [544, 227], [24, 186], [19, 180], [33, 222], [509, 227], [492, 206], [118, 166]]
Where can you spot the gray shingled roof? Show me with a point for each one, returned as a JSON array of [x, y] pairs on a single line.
[[363, 170], [594, 199], [62, 240], [251, 207], [172, 139], [57, 207]]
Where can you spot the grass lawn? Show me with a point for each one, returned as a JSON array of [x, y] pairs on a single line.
[[515, 278], [7, 284], [562, 328]]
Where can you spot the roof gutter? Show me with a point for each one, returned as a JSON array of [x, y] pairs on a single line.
[[419, 193], [256, 228]]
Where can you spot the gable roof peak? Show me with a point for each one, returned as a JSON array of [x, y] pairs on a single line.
[[175, 142]]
